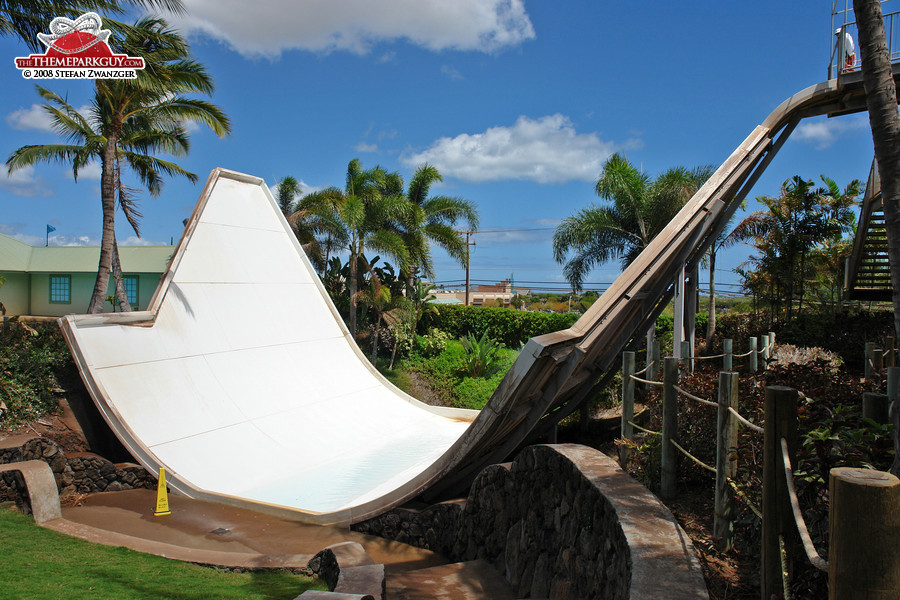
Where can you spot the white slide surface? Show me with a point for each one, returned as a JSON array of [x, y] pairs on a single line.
[[243, 382]]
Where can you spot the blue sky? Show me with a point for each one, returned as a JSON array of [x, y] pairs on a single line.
[[517, 102]]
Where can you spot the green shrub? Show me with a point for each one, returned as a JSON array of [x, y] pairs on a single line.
[[432, 343], [33, 361], [474, 392], [481, 357], [511, 328]]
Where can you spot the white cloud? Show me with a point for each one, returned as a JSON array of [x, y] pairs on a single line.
[[133, 240], [306, 188], [92, 170], [545, 150], [822, 133], [75, 240], [364, 147], [356, 25], [451, 73], [30, 118], [13, 231], [23, 182], [36, 118]]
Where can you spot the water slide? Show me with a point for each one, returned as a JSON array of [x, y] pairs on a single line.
[[243, 382]]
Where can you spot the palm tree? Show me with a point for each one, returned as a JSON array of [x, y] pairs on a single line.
[[380, 301], [317, 224], [793, 223], [881, 99], [129, 121], [26, 18], [722, 242], [286, 193], [369, 208], [433, 219], [639, 209]]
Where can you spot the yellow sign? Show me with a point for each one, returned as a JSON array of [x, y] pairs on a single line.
[[162, 497]]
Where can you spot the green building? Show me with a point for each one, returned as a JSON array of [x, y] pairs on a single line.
[[58, 280]]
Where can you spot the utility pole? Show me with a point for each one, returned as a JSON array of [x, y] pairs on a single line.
[[468, 233]]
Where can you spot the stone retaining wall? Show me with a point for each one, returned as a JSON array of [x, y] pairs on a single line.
[[80, 472], [561, 521]]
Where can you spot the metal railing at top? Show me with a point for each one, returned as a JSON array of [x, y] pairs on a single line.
[[844, 19]]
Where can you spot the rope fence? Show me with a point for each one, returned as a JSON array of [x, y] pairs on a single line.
[[648, 382], [644, 370], [687, 394], [784, 529], [808, 547], [692, 457], [740, 493], [745, 422], [639, 428]]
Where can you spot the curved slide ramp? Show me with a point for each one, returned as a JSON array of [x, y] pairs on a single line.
[[243, 382]]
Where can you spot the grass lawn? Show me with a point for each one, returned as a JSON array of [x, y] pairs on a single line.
[[38, 563]]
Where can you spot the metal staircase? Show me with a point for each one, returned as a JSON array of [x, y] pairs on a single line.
[[868, 276]]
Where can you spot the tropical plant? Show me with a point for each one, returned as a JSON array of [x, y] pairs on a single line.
[[793, 223], [367, 210], [128, 122], [881, 99], [378, 298], [26, 18], [433, 219], [286, 193], [481, 355], [638, 209], [317, 224], [417, 305], [726, 239]]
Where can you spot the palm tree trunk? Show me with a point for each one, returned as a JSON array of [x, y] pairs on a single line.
[[108, 238], [711, 321], [375, 340], [881, 99], [352, 287], [394, 353], [121, 293]]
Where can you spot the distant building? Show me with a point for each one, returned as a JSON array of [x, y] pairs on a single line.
[[58, 280], [501, 291]]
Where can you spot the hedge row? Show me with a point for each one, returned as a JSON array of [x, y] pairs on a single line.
[[514, 327], [510, 327]]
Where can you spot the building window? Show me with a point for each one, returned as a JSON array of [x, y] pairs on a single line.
[[131, 289], [60, 289]]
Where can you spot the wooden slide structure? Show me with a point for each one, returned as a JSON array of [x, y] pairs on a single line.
[[242, 381]]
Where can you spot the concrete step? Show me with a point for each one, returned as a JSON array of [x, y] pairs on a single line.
[[475, 579]]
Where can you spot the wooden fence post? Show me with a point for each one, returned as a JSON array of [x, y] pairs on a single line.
[[727, 350], [890, 352], [893, 392], [668, 471], [876, 407], [751, 358], [655, 367], [771, 342], [726, 445], [869, 370], [764, 350], [778, 518], [864, 520], [627, 395], [686, 353]]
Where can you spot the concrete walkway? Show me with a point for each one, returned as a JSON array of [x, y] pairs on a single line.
[[214, 534], [207, 533]]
